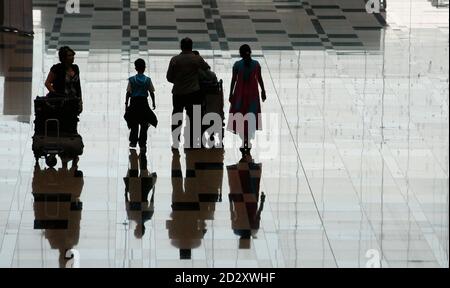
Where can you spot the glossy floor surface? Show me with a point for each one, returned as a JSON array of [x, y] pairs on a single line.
[[352, 164]]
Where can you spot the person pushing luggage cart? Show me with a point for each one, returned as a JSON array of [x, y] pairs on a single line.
[[56, 114]]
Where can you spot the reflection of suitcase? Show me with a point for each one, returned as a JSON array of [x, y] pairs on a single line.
[[213, 92]]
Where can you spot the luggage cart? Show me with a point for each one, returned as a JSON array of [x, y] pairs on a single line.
[[60, 139], [47, 147], [213, 102]]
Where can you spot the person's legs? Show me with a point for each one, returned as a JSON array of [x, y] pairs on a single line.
[[143, 135], [187, 102], [133, 134], [246, 136], [177, 113], [202, 100], [189, 129], [243, 148], [195, 105]]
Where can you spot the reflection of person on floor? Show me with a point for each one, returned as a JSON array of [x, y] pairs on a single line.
[[244, 98], [194, 197], [138, 184], [244, 178], [57, 205]]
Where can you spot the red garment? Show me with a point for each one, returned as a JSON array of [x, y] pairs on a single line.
[[245, 99]]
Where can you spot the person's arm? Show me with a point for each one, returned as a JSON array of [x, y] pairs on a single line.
[[127, 97], [233, 83], [78, 87], [212, 76], [151, 89], [261, 83], [49, 82], [207, 75], [203, 65], [127, 199], [170, 72], [261, 206], [152, 95], [232, 208]]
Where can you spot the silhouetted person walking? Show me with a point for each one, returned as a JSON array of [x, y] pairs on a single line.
[[183, 72], [139, 115], [244, 98]]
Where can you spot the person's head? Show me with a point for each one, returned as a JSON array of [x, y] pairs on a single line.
[[245, 51], [186, 44], [139, 231], [139, 65], [66, 55]]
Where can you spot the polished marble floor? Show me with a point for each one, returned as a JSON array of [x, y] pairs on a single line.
[[352, 165]]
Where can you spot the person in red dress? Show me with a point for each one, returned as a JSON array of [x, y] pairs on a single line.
[[245, 98]]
